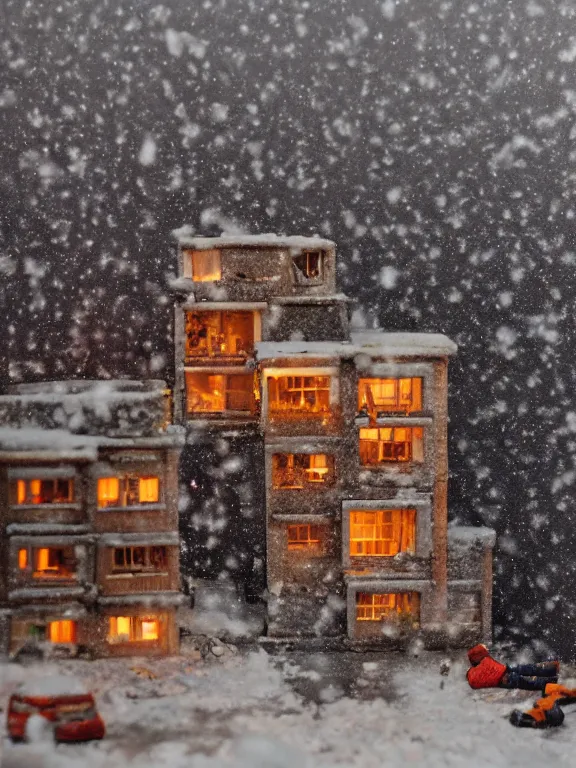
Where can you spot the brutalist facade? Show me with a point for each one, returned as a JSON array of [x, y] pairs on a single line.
[[324, 451]]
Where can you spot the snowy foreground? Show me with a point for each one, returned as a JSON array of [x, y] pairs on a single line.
[[253, 710]]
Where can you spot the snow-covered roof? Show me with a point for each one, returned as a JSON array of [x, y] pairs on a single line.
[[465, 535], [377, 344], [60, 444], [56, 685], [262, 241]]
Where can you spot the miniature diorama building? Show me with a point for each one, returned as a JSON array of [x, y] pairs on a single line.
[[343, 439], [89, 519]]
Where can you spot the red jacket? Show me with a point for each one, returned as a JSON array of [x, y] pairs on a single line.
[[487, 674]]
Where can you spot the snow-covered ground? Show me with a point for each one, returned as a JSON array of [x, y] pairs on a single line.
[[253, 710]]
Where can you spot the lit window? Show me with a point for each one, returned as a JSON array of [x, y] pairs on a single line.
[[49, 491], [387, 444], [308, 266], [208, 393], [301, 470], [128, 491], [148, 490], [220, 334], [382, 533], [62, 631], [22, 559], [202, 266], [304, 538], [298, 396], [396, 606], [390, 395], [139, 559], [133, 629], [54, 563]]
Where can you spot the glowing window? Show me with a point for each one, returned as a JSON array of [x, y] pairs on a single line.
[[220, 334], [133, 629], [302, 470], [304, 537], [203, 266], [210, 393], [54, 563], [298, 396], [22, 559], [392, 395], [396, 606], [62, 631], [382, 533], [391, 444], [128, 491], [49, 491], [139, 559]]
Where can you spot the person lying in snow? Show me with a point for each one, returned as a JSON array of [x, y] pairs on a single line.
[[486, 672], [546, 712]]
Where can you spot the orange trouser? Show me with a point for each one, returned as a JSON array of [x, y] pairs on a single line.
[[554, 693]]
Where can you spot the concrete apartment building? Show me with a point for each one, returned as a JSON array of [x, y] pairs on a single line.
[[88, 519], [341, 508]]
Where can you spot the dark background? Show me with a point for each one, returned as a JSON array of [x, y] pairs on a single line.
[[434, 140]]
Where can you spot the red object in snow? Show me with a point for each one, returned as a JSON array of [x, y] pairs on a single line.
[[72, 714]]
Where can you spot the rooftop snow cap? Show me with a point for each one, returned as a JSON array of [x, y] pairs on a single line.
[[476, 654]]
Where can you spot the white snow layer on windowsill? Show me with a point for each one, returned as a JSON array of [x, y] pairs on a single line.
[[372, 343], [64, 443], [265, 240]]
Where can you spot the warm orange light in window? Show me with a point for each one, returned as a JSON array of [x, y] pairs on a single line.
[[150, 629], [108, 491], [148, 490], [21, 492], [35, 488], [119, 626], [298, 395], [22, 558], [206, 265], [304, 537], [62, 631], [43, 560], [374, 607], [391, 444], [403, 395], [382, 533]]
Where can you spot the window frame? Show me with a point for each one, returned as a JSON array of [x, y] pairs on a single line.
[[226, 373], [135, 628], [308, 539], [299, 272], [278, 417], [401, 525], [24, 484], [375, 410], [193, 273], [241, 356], [303, 471], [415, 449], [146, 568], [123, 491]]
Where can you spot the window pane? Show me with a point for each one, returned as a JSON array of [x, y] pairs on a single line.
[[206, 266], [108, 491], [382, 533], [149, 490], [62, 631]]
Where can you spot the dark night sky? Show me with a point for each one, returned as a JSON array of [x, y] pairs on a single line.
[[434, 141]]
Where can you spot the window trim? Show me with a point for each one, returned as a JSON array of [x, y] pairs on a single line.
[[159, 504], [297, 271], [220, 371], [333, 372], [423, 532]]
